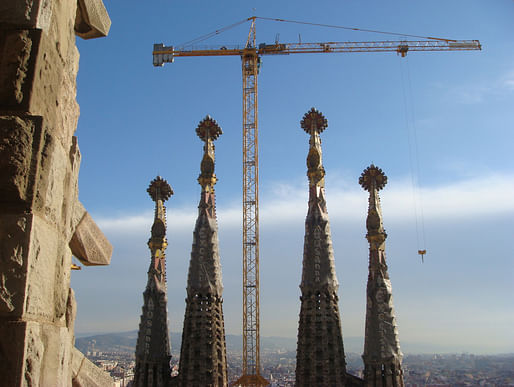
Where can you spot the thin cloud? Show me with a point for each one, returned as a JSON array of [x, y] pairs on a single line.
[[508, 81], [479, 92], [472, 197]]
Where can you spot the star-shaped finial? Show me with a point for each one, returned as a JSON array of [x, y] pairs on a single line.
[[313, 120], [159, 189], [370, 175], [208, 128]]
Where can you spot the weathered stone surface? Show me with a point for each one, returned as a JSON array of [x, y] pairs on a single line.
[[78, 213], [18, 52], [48, 280], [54, 197], [45, 86], [14, 250], [17, 137], [12, 349], [71, 313], [39, 208], [26, 14], [89, 244], [56, 344], [92, 19], [54, 86], [38, 351], [86, 374]]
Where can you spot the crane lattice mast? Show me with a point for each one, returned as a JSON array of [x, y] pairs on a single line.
[[250, 56], [251, 353]]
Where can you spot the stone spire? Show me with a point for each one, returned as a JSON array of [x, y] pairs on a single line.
[[320, 359], [382, 356], [153, 347], [203, 353]]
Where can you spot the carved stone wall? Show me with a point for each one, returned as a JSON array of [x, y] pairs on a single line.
[[39, 208]]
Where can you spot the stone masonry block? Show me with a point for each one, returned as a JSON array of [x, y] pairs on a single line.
[[92, 19], [48, 281], [26, 14], [18, 53], [86, 374], [38, 71], [37, 171], [55, 191], [12, 348], [20, 140], [89, 244], [54, 86], [55, 365], [14, 252], [33, 354]]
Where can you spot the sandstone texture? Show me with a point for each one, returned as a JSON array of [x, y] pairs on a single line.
[[89, 244], [42, 223], [92, 19], [86, 374]]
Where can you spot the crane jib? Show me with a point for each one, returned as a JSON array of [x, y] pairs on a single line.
[[166, 54]]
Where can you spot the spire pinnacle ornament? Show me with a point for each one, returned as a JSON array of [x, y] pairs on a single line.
[[208, 131], [373, 179], [153, 351], [314, 123], [382, 356], [203, 352], [159, 189], [320, 359]]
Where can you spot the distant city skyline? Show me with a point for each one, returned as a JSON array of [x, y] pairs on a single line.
[[138, 121]]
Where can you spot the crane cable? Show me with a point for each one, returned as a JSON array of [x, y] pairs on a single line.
[[223, 29], [211, 34], [353, 29], [412, 138]]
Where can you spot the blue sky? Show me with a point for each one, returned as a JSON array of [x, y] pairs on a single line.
[[443, 119]]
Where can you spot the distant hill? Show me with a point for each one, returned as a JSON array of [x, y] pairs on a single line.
[[126, 342]]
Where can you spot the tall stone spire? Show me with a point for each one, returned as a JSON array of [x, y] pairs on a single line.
[[203, 354], [382, 356], [153, 347], [320, 359]]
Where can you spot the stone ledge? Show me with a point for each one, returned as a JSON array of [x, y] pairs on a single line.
[[92, 19], [89, 243], [86, 374]]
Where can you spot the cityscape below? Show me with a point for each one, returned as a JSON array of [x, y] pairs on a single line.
[[115, 353]]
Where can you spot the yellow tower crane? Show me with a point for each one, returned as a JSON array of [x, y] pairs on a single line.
[[250, 56]]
